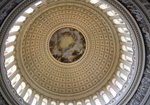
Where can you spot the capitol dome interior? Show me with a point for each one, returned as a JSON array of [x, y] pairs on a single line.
[[74, 52]]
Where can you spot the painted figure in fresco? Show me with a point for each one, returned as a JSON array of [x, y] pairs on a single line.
[[67, 45]]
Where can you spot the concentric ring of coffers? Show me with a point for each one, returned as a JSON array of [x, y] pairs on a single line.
[[67, 79], [103, 96]]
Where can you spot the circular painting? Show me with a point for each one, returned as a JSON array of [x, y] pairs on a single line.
[[67, 45]]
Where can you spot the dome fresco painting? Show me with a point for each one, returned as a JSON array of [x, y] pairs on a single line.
[[67, 45]]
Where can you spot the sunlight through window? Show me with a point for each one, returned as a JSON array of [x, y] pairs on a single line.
[[21, 19], [11, 70], [29, 10], [15, 80], [10, 39], [94, 1], [9, 49], [38, 3], [104, 6], [44, 102], [15, 28]]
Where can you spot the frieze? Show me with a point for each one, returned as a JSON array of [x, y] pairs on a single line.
[[2, 100], [145, 82], [4, 12]]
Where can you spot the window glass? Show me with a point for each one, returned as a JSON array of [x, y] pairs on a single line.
[[104, 6], [15, 80], [35, 100], [15, 28], [21, 88], [97, 102], [29, 10], [79, 103], [9, 49], [94, 1], [44, 102], [27, 95], [53, 103], [111, 13], [11, 70], [21, 19]]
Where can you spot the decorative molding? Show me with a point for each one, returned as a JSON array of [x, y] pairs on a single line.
[[8, 6], [2, 100], [8, 17], [144, 5], [145, 81]]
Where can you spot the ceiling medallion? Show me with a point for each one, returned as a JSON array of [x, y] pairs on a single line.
[[67, 45]]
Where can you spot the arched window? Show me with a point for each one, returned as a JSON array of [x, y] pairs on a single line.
[[94, 1], [128, 39], [125, 39], [127, 49], [104, 6], [115, 82], [118, 21], [129, 59], [9, 49], [21, 88], [38, 3], [11, 70], [35, 100], [123, 30], [112, 13], [70, 104], [121, 75], [10, 39], [44, 101], [111, 90], [79, 103], [29, 10], [15, 28], [9, 60], [126, 58], [15, 80], [124, 67], [105, 97], [87, 102], [21, 19], [61, 103], [53, 103], [27, 95], [96, 100]]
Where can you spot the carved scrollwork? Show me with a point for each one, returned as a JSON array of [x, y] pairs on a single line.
[[2, 100], [7, 8]]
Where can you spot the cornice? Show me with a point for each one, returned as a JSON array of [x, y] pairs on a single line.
[[2, 100], [143, 25], [6, 7]]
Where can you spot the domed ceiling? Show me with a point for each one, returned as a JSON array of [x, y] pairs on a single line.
[[40, 62], [72, 50]]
